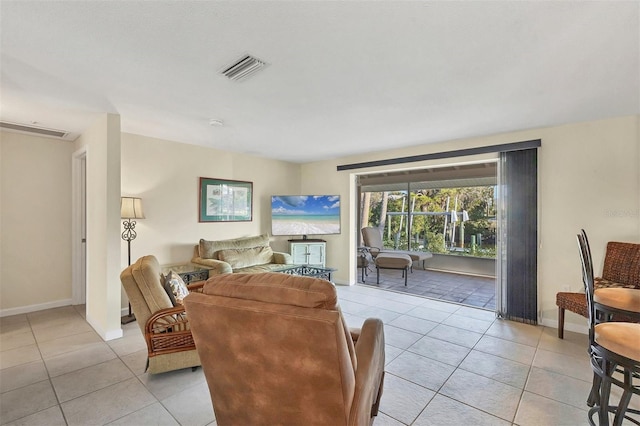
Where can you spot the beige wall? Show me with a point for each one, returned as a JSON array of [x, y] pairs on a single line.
[[588, 174], [102, 144], [35, 195], [588, 178], [166, 176]]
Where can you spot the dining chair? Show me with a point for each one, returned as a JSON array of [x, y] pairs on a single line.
[[614, 351]]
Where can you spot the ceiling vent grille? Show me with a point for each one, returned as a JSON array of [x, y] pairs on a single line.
[[33, 130], [243, 68]]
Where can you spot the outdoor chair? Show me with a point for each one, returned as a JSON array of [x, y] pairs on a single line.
[[372, 238]]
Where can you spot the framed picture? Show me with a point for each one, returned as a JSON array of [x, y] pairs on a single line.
[[225, 200]]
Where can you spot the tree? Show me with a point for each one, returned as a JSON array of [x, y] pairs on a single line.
[[383, 210]]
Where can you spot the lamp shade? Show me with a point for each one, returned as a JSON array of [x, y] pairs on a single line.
[[454, 216], [131, 208]]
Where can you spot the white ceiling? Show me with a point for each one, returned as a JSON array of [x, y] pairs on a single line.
[[343, 77]]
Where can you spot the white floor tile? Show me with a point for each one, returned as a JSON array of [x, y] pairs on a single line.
[[107, 404], [192, 406], [443, 411], [485, 394], [423, 371], [446, 364], [496, 368], [403, 400], [448, 353], [536, 410]]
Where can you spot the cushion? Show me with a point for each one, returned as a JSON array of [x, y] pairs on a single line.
[[602, 283], [210, 249], [148, 280], [389, 260], [242, 258], [175, 287], [275, 287]]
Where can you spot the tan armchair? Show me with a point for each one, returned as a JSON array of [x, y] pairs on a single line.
[[165, 327], [276, 350]]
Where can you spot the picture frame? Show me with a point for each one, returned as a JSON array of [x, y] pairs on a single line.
[[222, 200]]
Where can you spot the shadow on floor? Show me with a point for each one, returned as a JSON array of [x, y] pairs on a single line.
[[468, 290]]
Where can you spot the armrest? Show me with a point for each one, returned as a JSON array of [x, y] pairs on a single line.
[[282, 258], [168, 331], [196, 287], [372, 250], [217, 266], [167, 320], [370, 371]]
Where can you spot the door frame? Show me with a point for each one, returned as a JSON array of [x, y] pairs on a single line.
[[79, 266]]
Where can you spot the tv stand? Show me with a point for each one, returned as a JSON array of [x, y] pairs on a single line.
[[310, 252]]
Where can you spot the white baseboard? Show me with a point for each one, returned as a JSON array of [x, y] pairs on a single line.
[[568, 326], [34, 308], [105, 334]]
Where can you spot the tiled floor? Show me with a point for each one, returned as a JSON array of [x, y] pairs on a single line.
[[446, 365], [465, 289]]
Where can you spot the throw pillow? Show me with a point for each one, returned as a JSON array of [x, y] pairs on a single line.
[[243, 258], [175, 287]]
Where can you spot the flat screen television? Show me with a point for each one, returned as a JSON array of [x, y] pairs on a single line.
[[302, 215]]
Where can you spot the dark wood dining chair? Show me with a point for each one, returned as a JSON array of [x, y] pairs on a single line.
[[614, 350]]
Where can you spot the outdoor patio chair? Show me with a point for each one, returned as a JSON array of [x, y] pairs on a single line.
[[372, 238]]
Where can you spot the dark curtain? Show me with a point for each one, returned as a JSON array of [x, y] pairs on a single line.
[[519, 185]]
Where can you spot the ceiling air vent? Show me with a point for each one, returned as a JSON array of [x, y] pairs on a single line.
[[243, 68], [33, 130]]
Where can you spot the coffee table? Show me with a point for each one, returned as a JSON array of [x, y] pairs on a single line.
[[307, 271]]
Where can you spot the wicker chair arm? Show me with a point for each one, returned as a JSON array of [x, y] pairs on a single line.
[[168, 331], [171, 320]]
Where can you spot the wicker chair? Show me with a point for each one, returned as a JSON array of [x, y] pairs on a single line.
[[165, 327], [621, 269]]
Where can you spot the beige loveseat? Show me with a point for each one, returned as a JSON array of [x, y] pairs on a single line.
[[245, 255]]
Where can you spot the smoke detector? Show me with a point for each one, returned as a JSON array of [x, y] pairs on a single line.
[[37, 130], [243, 68]]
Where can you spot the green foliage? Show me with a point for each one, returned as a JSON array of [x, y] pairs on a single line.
[[436, 243], [428, 231]]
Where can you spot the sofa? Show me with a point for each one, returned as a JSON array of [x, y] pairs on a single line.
[[249, 255]]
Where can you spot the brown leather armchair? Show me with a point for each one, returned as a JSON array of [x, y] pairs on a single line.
[[164, 327], [275, 349]]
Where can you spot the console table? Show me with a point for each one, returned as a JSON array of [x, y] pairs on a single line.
[[189, 272]]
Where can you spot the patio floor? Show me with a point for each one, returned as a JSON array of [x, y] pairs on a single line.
[[464, 289]]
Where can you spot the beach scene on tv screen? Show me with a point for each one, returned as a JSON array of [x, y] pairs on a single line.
[[305, 214]]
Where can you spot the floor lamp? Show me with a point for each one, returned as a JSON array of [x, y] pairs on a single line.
[[130, 208]]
